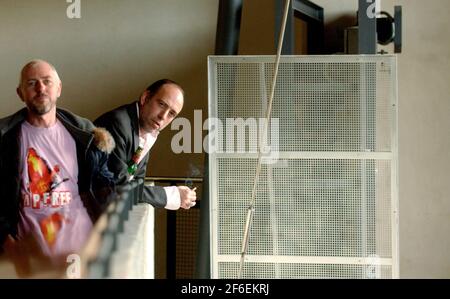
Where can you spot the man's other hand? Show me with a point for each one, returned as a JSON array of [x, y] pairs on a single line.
[[188, 197]]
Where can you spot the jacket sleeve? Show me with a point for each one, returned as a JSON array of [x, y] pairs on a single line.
[[117, 162], [103, 184], [9, 184]]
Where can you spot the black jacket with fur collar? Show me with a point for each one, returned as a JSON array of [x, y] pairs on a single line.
[[95, 181]]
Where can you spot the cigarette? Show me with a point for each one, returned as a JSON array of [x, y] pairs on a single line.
[[194, 188]]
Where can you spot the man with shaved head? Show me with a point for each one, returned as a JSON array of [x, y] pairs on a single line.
[[54, 180], [40, 95]]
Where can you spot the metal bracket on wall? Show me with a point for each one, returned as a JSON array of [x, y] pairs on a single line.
[[367, 27], [398, 29]]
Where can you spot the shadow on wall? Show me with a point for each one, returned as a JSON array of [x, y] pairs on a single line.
[[334, 33], [163, 162]]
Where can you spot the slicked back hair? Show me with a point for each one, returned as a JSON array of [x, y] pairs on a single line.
[[155, 86]]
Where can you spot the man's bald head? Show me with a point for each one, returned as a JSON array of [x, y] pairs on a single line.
[[39, 87], [34, 63]]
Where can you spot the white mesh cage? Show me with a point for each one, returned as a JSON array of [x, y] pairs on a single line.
[[327, 200]]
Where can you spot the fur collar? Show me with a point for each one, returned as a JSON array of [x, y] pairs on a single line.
[[103, 140]]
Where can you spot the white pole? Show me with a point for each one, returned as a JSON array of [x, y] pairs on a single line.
[[251, 208]]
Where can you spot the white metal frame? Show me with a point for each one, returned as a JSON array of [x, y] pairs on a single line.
[[392, 156]]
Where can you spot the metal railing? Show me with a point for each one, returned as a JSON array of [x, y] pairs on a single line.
[[103, 241]]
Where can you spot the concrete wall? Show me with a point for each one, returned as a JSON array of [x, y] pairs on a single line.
[[424, 129]]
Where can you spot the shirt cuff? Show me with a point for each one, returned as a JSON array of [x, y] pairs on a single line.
[[173, 198]]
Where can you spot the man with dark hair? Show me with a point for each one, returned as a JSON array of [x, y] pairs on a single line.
[[135, 127], [54, 180]]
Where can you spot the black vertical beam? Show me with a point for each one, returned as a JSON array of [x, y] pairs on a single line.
[[228, 27], [398, 29], [367, 27], [227, 43], [203, 262], [171, 243]]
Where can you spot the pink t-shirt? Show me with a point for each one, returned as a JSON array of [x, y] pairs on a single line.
[[51, 207]]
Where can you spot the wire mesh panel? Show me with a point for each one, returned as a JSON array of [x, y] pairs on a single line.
[[327, 201]]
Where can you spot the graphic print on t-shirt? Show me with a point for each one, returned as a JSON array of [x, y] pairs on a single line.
[[50, 227], [42, 181], [42, 178]]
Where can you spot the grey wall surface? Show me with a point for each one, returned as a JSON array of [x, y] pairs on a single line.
[[424, 129]]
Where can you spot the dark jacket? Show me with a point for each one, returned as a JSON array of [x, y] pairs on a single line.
[[123, 124], [95, 181]]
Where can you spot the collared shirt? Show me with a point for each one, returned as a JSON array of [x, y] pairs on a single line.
[[146, 142]]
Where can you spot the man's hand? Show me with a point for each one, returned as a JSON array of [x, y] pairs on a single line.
[[188, 197], [17, 254], [28, 258]]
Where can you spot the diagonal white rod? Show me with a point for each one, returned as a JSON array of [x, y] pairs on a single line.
[[251, 207]]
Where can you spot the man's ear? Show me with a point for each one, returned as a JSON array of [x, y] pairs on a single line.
[[19, 93], [143, 97], [59, 89]]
